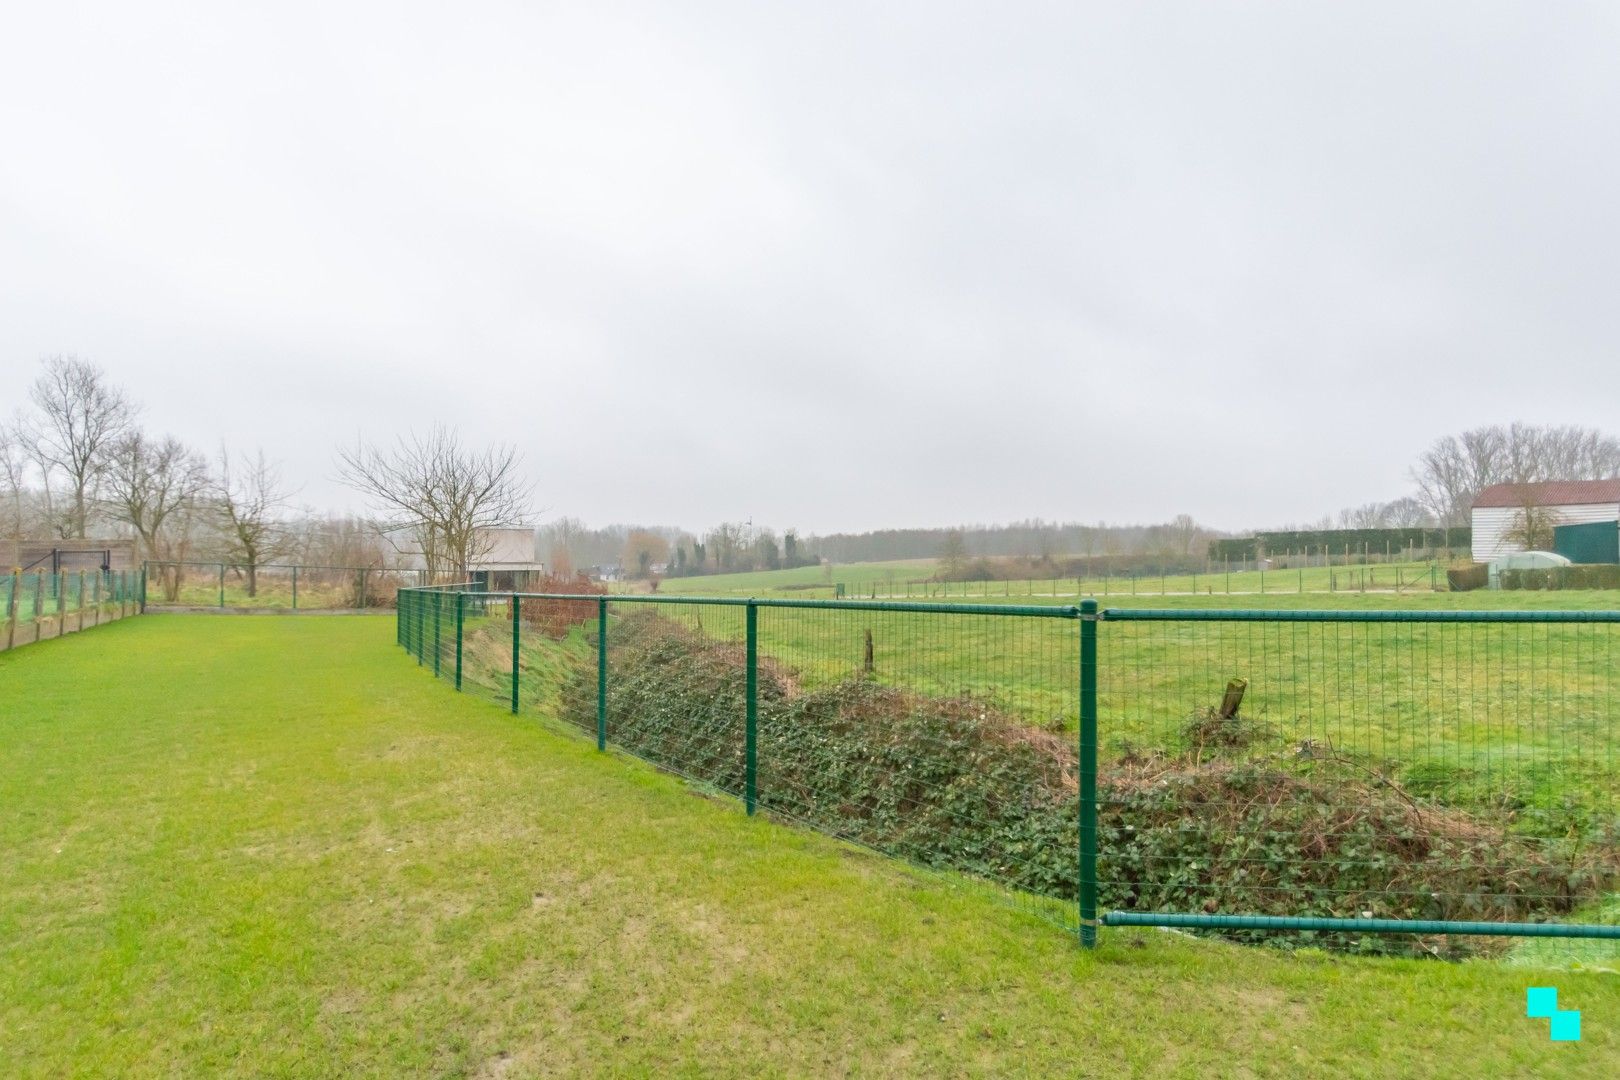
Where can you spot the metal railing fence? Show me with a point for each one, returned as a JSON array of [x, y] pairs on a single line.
[[292, 587], [1382, 781], [40, 605]]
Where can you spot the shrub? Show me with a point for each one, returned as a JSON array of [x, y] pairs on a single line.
[[553, 618], [1591, 576]]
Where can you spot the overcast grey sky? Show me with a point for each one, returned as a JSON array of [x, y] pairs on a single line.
[[836, 266]]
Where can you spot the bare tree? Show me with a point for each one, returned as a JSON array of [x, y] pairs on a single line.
[[1186, 532], [561, 538], [13, 483], [156, 487], [1533, 526], [727, 540], [249, 498], [952, 553], [1373, 515], [78, 417], [642, 550], [440, 494], [1456, 468], [1407, 513]]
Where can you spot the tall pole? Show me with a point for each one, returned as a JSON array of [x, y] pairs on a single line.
[[1088, 773]]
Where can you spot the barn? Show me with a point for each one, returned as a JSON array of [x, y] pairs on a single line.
[[1585, 515]]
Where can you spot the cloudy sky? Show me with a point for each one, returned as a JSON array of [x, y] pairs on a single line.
[[835, 265]]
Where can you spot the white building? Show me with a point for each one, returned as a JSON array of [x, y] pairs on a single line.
[[505, 558], [1498, 508]]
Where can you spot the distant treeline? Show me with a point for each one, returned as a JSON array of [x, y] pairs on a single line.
[[1034, 539], [728, 547], [1354, 541], [1018, 568]]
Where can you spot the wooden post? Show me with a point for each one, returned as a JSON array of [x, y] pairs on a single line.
[[1232, 701]]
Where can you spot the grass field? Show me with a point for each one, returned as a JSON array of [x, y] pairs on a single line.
[[276, 847], [911, 579], [795, 580]]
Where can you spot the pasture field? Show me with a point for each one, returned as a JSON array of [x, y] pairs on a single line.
[[795, 580], [909, 579], [278, 847]]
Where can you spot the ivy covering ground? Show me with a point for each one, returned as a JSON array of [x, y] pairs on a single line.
[[951, 782]]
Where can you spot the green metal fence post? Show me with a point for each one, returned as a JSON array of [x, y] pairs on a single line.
[[438, 610], [751, 732], [1088, 773], [222, 586], [39, 602], [143, 588], [515, 636], [295, 588], [81, 599], [601, 673], [61, 602], [417, 601], [12, 581], [460, 615]]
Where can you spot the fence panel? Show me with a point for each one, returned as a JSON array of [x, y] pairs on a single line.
[[283, 587], [40, 605], [1364, 780], [1431, 768]]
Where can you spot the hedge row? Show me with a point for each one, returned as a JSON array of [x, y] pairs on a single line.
[[1335, 541]]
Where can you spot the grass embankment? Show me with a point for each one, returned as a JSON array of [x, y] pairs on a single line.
[[951, 782], [276, 847], [1517, 717]]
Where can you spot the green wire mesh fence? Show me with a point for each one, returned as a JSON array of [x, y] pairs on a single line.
[[1436, 782], [44, 605], [228, 586], [1333, 777]]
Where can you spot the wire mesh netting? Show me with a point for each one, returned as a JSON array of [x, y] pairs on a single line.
[[942, 736], [1363, 766], [276, 586], [43, 605], [1330, 765]]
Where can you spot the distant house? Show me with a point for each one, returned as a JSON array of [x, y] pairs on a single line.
[[506, 559], [1585, 514]]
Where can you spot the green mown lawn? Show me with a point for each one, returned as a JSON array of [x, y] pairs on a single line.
[[275, 846]]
